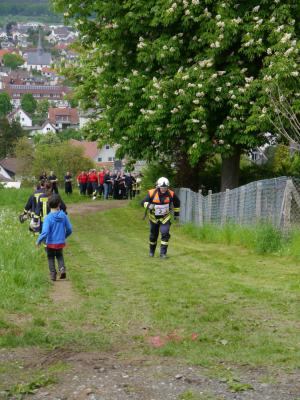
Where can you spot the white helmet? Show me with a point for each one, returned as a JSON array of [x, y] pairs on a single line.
[[162, 182]]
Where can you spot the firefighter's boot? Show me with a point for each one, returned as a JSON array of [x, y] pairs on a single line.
[[152, 250], [163, 251]]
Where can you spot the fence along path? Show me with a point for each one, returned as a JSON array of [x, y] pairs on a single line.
[[276, 201]]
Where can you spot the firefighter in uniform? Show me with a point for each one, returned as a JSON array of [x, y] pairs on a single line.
[[159, 202]]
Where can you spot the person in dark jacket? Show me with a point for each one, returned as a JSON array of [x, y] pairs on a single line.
[[159, 202], [43, 209], [68, 183], [32, 201], [108, 179], [52, 178], [56, 228]]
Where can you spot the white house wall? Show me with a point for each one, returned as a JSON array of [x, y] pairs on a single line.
[[106, 155]]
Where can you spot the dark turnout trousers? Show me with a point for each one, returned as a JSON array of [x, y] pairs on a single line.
[[165, 236]]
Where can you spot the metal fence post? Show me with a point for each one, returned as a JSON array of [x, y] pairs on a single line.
[[258, 200], [224, 212], [189, 205], [241, 205], [209, 204], [200, 207], [287, 204]]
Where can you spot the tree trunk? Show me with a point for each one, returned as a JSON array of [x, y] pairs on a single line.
[[188, 176], [230, 171]]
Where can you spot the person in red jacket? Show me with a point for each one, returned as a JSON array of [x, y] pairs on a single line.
[[82, 182], [93, 179], [101, 176]]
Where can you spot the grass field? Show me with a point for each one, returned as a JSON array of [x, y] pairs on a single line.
[[209, 302]]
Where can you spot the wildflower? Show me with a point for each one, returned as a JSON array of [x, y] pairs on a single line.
[[195, 121], [256, 9]]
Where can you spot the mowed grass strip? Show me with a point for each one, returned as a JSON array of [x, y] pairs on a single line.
[[209, 302], [243, 308]]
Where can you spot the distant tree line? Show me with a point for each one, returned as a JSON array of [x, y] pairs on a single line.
[[29, 8]]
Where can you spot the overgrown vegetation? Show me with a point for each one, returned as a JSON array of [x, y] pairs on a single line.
[[262, 239]]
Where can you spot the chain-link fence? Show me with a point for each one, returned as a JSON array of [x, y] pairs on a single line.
[[276, 201]]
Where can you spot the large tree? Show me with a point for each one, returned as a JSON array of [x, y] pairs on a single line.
[[28, 103], [9, 134], [60, 157], [184, 79], [5, 104], [12, 60]]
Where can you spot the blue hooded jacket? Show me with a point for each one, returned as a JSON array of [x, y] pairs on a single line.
[[56, 228]]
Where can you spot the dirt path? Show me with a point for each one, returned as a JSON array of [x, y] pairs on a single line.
[[94, 206], [101, 376], [63, 292]]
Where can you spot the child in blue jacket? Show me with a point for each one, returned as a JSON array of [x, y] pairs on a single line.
[[56, 228]]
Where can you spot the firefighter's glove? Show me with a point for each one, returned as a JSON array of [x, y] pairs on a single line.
[[151, 206]]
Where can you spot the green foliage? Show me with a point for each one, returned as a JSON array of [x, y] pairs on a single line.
[[154, 171], [49, 138], [60, 158], [24, 151], [12, 60], [5, 104], [28, 103], [186, 78], [9, 133], [30, 388], [68, 134], [41, 112], [236, 386]]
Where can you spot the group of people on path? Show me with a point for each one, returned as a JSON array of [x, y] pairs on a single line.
[[48, 215], [53, 181], [108, 184]]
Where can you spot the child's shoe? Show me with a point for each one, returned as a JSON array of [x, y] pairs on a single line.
[[62, 274], [53, 276]]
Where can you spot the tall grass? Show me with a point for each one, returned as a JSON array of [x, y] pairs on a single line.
[[22, 280], [262, 238], [16, 198]]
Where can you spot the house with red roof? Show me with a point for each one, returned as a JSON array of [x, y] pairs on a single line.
[[64, 117], [103, 157]]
